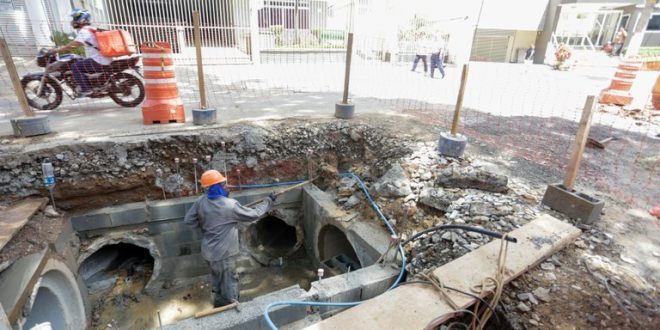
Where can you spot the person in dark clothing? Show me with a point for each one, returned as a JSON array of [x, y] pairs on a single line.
[[217, 216], [437, 62], [529, 53]]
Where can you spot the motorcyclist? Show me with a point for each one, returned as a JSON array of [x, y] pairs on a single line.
[[94, 61]]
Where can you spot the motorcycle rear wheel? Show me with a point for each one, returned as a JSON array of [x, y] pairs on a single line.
[[51, 93], [127, 90]]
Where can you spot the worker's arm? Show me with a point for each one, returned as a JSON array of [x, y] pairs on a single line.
[[247, 214], [70, 46], [192, 218]]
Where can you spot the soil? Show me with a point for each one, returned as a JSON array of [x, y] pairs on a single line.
[[37, 234]]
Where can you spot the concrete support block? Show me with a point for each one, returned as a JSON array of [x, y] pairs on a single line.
[[573, 204], [167, 210], [450, 145], [204, 116], [30, 126], [344, 111]]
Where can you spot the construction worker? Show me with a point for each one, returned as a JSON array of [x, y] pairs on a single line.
[[217, 216]]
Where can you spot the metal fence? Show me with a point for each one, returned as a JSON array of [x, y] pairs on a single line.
[[527, 113]]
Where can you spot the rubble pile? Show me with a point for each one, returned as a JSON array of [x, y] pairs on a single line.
[[426, 189]]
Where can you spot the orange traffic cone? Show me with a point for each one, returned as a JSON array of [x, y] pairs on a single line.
[[619, 91], [163, 104]]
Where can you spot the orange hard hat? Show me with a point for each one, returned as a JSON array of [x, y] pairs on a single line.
[[211, 177]]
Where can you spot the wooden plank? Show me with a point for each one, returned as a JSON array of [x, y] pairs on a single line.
[[16, 216], [15, 78], [413, 306], [580, 142], [459, 101]]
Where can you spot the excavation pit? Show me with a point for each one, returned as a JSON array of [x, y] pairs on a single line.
[[140, 258]]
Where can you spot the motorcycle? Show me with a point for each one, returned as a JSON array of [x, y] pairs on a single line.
[[44, 90]]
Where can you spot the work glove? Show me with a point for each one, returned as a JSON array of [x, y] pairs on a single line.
[[272, 197]]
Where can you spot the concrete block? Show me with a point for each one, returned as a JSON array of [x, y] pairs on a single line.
[[166, 211], [129, 216], [91, 221], [251, 314], [173, 238], [159, 227], [183, 267], [369, 240], [574, 204]]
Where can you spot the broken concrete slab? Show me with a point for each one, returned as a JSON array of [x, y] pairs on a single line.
[[437, 198], [473, 179], [395, 309], [394, 183]]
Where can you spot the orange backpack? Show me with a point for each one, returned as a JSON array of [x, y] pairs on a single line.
[[113, 43]]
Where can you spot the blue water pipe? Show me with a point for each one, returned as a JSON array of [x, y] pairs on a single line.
[[265, 185], [336, 304]]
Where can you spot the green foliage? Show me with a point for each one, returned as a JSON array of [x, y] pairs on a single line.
[[61, 38], [277, 32], [419, 28], [649, 51]]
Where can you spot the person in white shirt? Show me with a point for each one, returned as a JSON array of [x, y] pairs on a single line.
[[94, 61]]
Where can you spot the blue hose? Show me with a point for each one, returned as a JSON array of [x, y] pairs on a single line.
[[265, 185], [353, 303]]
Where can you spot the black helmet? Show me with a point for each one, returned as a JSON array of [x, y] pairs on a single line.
[[80, 18]]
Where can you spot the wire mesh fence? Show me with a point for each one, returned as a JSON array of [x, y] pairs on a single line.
[[295, 67]]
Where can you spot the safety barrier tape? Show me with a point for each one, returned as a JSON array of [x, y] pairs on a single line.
[[158, 68], [158, 56], [161, 81]]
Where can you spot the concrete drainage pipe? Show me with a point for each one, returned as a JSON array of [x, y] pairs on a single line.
[[56, 300]]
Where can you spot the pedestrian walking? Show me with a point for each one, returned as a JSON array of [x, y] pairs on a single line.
[[437, 61], [420, 54], [619, 40]]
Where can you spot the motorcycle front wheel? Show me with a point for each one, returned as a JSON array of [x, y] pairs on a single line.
[[126, 90], [50, 96]]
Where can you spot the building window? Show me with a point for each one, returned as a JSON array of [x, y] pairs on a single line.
[[654, 24]]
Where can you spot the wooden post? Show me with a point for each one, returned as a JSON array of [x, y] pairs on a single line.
[[200, 67], [459, 101], [580, 142], [347, 74], [15, 79]]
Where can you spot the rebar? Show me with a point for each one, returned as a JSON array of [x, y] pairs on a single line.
[[194, 162]]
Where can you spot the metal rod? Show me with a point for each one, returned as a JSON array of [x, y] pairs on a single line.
[[347, 73], [459, 101], [200, 66], [160, 322], [52, 199], [194, 161]]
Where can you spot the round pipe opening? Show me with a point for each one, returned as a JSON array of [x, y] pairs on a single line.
[[336, 252], [276, 236], [102, 268]]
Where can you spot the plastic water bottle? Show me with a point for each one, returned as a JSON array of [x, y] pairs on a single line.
[[49, 174]]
